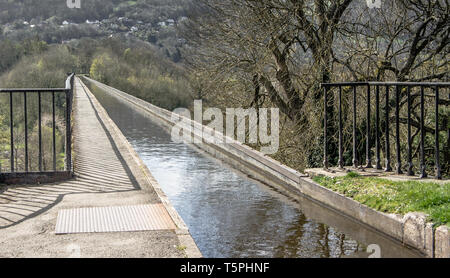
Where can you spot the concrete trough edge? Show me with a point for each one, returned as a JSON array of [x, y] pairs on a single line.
[[182, 230], [411, 229]]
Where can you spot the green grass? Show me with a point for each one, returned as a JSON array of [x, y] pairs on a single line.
[[398, 197], [181, 247]]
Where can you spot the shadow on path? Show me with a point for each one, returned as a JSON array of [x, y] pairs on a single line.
[[99, 168]]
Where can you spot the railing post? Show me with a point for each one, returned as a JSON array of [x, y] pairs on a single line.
[[54, 131], [69, 94], [40, 131], [368, 156], [325, 139], [341, 159], [410, 164], [26, 129], [423, 173], [398, 169], [68, 134], [377, 127], [388, 145], [11, 126], [436, 135], [355, 158]]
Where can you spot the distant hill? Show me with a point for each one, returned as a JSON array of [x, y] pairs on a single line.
[[153, 21]]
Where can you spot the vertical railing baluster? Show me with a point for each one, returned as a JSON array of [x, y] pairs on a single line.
[[436, 136], [68, 129], [325, 139], [410, 164], [40, 131], [54, 131], [377, 127], [423, 173], [388, 145], [11, 127], [341, 158], [26, 129], [355, 158], [398, 169], [368, 156]]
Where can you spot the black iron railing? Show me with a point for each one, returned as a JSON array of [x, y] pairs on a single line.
[[401, 89], [68, 91]]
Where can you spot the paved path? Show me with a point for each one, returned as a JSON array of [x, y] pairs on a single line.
[[108, 173]]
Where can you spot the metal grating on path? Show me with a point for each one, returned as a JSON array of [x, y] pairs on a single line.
[[114, 219]]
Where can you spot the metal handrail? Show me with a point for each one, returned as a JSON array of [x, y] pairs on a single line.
[[68, 90], [387, 86], [390, 83], [32, 90]]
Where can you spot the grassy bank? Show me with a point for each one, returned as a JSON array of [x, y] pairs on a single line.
[[398, 197]]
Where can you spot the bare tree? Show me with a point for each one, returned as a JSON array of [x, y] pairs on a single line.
[[279, 51]]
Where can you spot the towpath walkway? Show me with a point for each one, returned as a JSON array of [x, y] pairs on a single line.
[[108, 173]]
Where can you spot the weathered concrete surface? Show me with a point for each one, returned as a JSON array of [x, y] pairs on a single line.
[[417, 233], [107, 174], [442, 242]]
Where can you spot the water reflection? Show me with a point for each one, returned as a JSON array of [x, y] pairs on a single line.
[[230, 215]]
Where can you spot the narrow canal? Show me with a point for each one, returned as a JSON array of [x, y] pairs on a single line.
[[231, 215]]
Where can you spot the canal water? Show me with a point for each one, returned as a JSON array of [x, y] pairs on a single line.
[[231, 215]]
